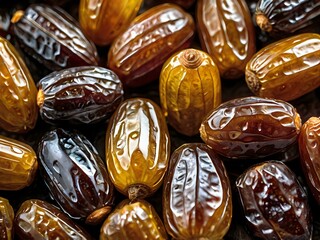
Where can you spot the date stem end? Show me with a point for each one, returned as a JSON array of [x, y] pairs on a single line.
[[98, 216], [138, 191]]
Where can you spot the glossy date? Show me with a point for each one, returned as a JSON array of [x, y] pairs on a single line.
[[6, 219]]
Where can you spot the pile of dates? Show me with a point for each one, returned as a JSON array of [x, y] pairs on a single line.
[[160, 119]]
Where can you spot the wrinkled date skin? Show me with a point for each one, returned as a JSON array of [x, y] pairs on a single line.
[[196, 198], [75, 175], [80, 95], [136, 220], [275, 204], [6, 216], [18, 92], [38, 219], [280, 17], [137, 147], [18, 164], [189, 88], [227, 33], [309, 141], [52, 37], [251, 127], [138, 54], [286, 69]]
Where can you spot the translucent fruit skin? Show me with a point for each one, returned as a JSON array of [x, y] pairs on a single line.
[[37, 220], [136, 220], [286, 69], [18, 92], [79, 95], [189, 88], [138, 54], [197, 201], [103, 20], [75, 175], [6, 219], [309, 140], [226, 32], [137, 146], [18, 164], [251, 127], [275, 204], [54, 38]]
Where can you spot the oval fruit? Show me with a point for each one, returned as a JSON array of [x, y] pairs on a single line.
[[6, 217]]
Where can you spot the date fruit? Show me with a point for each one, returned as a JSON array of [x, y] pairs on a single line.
[[135, 220], [189, 88], [275, 204], [79, 95], [286, 69], [75, 175], [251, 127], [197, 202], [138, 54], [6, 219], [137, 147], [227, 33], [52, 37], [37, 219]]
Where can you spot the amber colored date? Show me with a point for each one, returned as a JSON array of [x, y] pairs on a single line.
[[135, 220], [196, 197], [75, 175], [79, 95], [275, 204], [6, 219], [38, 219], [227, 33], [138, 54], [286, 69], [137, 147], [251, 127], [52, 37]]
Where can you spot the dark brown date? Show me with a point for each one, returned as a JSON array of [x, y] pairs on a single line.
[[86, 94], [251, 127], [53, 37], [37, 220], [75, 175], [275, 204]]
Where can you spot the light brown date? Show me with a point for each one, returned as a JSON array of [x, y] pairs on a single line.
[[6, 219]]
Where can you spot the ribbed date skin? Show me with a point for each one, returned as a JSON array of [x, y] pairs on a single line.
[[280, 17], [309, 140], [18, 92], [137, 147], [6, 217], [18, 164], [275, 204], [136, 220], [103, 20], [286, 69], [189, 88], [79, 95], [138, 54], [227, 33], [40, 220], [197, 202], [75, 175], [251, 127], [52, 37]]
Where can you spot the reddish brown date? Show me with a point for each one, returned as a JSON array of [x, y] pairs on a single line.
[[275, 204], [79, 95], [75, 175], [197, 194], [53, 37], [251, 127]]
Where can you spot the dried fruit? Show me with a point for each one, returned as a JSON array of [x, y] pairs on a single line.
[[75, 175], [79, 95], [275, 204], [137, 147], [196, 198], [251, 127], [189, 88], [138, 54], [6, 219]]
